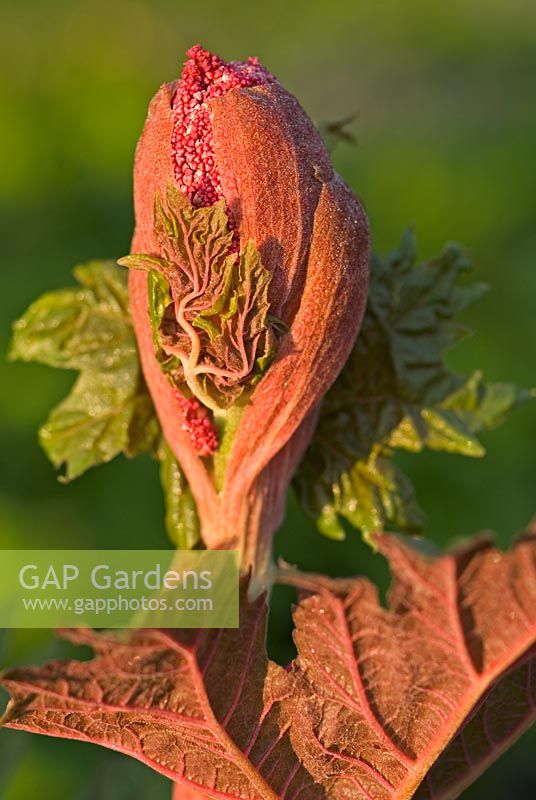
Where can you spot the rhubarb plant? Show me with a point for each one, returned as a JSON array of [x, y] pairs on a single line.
[[253, 341]]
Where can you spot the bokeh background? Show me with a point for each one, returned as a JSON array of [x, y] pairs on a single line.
[[445, 131]]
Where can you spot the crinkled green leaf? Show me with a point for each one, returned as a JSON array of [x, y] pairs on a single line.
[[144, 432], [436, 429], [109, 409], [91, 426], [208, 304], [368, 493], [246, 278], [395, 392], [160, 299], [187, 235], [224, 306], [451, 426], [384, 492], [87, 326], [481, 406], [182, 521]]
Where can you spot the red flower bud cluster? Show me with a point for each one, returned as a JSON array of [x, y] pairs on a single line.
[[231, 132], [204, 77], [198, 425]]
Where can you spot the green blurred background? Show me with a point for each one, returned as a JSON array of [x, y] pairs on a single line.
[[446, 133]]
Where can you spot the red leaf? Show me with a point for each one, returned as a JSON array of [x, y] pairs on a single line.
[[203, 707], [182, 793], [446, 670], [381, 704]]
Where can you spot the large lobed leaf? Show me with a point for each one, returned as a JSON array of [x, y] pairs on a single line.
[[396, 392], [109, 410], [418, 700], [173, 700], [380, 704]]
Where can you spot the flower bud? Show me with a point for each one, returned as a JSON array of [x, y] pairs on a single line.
[[263, 253]]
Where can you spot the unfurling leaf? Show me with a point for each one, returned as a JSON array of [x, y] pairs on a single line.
[[91, 426], [410, 701], [208, 305], [396, 392], [182, 521], [371, 491], [144, 434], [89, 328], [85, 327], [159, 300], [480, 406], [109, 409]]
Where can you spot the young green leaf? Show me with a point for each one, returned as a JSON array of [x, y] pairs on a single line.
[[89, 328], [208, 305], [481, 406], [371, 491], [91, 426], [182, 521], [396, 392], [144, 432], [84, 327]]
